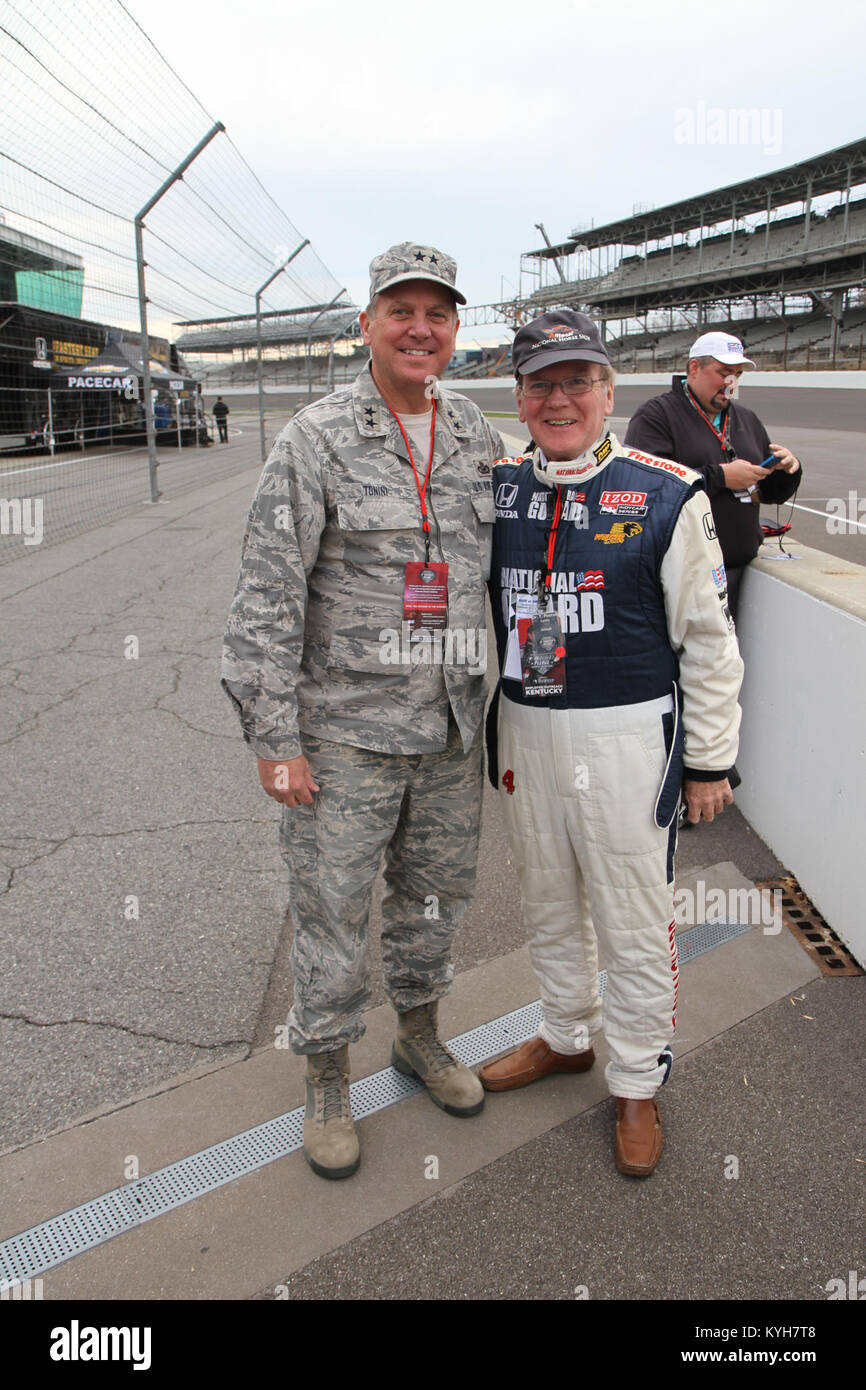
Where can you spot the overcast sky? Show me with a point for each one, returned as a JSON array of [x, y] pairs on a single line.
[[465, 122]]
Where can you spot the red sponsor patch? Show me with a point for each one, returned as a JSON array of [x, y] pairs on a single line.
[[628, 499]]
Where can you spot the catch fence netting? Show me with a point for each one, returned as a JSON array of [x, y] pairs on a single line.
[[93, 121]]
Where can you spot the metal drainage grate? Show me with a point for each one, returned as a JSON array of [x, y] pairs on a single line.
[[806, 924], [705, 936], [62, 1237]]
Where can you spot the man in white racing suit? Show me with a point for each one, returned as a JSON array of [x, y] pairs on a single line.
[[619, 681]]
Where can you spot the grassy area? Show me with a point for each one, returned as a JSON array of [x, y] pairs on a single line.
[[501, 414]]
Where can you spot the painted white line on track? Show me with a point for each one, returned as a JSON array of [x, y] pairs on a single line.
[[66, 463], [830, 516], [132, 457]]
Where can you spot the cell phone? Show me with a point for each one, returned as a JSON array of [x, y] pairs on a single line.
[[768, 463]]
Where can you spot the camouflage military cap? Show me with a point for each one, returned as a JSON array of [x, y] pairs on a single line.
[[409, 261]]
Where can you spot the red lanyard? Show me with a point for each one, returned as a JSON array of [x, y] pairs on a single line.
[[551, 539], [708, 421], [425, 522]]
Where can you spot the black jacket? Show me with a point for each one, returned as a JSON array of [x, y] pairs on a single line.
[[670, 426]]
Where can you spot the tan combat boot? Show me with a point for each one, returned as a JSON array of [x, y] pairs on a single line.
[[330, 1143], [418, 1052]]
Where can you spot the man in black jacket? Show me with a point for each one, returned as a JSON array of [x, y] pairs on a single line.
[[220, 414], [697, 424]]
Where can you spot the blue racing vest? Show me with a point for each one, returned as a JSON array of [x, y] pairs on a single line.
[[613, 533]]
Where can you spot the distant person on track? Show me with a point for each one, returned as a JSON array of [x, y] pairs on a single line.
[[620, 675], [368, 538], [698, 424], [221, 414]]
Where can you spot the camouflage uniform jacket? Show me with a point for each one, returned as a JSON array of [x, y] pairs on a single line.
[[315, 638]]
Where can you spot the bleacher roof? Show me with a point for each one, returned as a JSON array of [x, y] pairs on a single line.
[[828, 172], [280, 328]]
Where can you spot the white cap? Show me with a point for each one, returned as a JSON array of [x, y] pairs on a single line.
[[723, 347]]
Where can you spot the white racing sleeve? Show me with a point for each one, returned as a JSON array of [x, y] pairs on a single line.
[[702, 635]]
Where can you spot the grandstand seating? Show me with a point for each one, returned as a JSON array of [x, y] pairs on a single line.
[[717, 256], [764, 339], [288, 371]]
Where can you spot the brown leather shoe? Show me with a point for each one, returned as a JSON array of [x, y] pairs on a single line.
[[638, 1145], [529, 1063]]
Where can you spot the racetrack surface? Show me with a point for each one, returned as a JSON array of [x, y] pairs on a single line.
[[825, 427]]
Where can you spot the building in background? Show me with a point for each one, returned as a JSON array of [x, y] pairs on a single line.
[[65, 380], [36, 273]]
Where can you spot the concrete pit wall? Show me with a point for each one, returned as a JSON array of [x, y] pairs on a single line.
[[802, 632]]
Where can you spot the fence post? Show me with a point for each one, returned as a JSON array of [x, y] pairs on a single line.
[[310, 341], [142, 301], [259, 382], [338, 334]]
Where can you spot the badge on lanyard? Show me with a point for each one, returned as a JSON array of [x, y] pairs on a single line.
[[425, 586], [542, 652], [425, 595], [539, 630]]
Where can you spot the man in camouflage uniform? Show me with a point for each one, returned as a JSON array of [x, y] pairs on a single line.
[[365, 718]]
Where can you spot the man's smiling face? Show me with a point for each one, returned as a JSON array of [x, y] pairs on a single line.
[[411, 337], [562, 425]]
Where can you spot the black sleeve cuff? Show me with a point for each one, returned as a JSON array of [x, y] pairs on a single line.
[[693, 774]]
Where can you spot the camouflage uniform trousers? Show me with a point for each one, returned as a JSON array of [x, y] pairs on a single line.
[[423, 811]]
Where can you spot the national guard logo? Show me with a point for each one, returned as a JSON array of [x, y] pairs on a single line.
[[563, 330], [620, 531]]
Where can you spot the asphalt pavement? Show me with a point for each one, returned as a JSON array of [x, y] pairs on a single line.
[[145, 944]]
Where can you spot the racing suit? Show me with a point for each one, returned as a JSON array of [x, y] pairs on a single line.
[[590, 778]]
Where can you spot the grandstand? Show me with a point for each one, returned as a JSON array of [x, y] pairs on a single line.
[[779, 259], [286, 337]]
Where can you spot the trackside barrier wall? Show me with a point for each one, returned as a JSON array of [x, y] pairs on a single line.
[[849, 381], [802, 632]]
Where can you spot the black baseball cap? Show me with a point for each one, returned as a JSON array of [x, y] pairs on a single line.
[[562, 336]]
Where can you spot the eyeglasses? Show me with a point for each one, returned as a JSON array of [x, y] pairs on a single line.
[[572, 386]]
